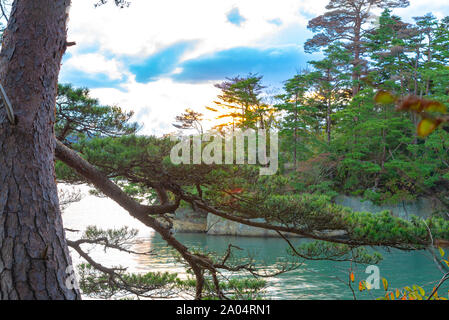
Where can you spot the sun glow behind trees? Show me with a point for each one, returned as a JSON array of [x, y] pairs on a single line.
[[365, 148]]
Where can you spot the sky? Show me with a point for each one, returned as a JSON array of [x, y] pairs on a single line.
[[159, 57]]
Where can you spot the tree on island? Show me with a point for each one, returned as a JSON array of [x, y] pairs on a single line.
[[346, 21], [34, 257], [190, 120]]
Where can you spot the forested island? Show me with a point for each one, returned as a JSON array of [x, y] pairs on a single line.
[[366, 120]]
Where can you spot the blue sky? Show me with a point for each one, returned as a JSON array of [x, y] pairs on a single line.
[[159, 57], [235, 17]]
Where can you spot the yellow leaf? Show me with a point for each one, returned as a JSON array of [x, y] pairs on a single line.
[[385, 283], [368, 286], [421, 291], [385, 97], [427, 126], [447, 262], [435, 106], [398, 293], [352, 276], [442, 253]]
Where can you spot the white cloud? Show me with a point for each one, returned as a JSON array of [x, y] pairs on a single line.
[[147, 26], [439, 8], [156, 104], [107, 35], [94, 63]]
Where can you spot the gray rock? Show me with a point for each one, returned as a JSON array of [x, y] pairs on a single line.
[[219, 226], [422, 207], [189, 221]]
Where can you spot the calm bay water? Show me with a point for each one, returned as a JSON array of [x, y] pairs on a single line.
[[312, 280]]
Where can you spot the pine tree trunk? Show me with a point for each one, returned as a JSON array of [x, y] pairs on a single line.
[[328, 121], [295, 132], [356, 47], [355, 70], [33, 251]]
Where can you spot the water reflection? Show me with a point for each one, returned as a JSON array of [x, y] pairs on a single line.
[[313, 280]]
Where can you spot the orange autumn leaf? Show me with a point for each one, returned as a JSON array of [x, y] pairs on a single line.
[[385, 97], [410, 103], [427, 126], [436, 293], [352, 276], [361, 286], [415, 104]]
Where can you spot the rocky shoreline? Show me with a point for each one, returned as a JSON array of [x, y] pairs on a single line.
[[189, 221]]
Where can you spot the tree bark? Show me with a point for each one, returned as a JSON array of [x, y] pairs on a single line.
[[357, 51], [33, 251]]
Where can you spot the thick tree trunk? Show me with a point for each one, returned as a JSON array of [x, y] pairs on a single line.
[[33, 252]]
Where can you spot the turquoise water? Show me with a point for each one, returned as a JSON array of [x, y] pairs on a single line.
[[313, 279]]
